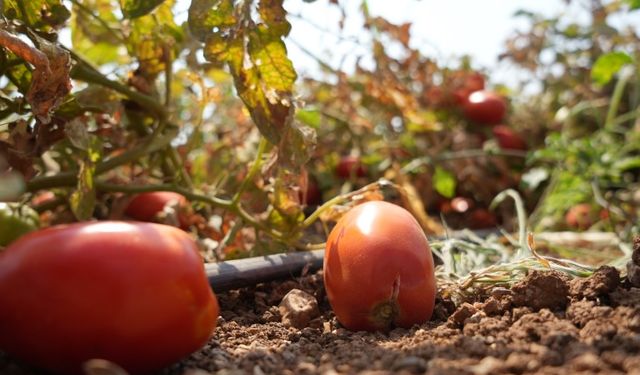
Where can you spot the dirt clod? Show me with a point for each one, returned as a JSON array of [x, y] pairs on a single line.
[[541, 290], [588, 336], [298, 308], [464, 312], [602, 282]]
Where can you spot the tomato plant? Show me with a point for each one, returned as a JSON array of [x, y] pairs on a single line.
[[15, 221], [146, 206], [484, 107], [378, 268], [132, 293], [349, 166], [508, 139]]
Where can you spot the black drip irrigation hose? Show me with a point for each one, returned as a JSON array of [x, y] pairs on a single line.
[[240, 273]]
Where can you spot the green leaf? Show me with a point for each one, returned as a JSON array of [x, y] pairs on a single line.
[[310, 117], [627, 164], [37, 13], [608, 65], [151, 36], [94, 31], [269, 56], [444, 182], [83, 199], [633, 4], [138, 8], [273, 14], [207, 15]]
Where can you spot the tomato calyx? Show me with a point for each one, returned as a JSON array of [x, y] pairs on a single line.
[[384, 314]]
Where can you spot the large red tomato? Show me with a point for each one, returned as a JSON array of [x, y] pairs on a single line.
[[146, 206], [135, 294], [378, 269], [484, 107]]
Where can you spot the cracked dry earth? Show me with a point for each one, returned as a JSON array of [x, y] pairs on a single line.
[[545, 324]]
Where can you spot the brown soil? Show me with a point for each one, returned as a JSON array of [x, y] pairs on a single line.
[[546, 324]]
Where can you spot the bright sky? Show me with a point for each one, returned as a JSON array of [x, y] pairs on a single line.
[[444, 29]]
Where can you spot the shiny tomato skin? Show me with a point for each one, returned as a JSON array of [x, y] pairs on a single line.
[[145, 206], [350, 165], [484, 107], [377, 255], [132, 293], [508, 139]]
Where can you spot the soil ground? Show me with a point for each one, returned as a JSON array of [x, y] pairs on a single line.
[[546, 324]]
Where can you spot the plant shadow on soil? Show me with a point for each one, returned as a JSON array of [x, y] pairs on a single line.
[[546, 324]]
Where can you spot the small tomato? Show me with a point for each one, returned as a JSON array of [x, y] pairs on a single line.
[[146, 206], [580, 216], [484, 107], [378, 269], [312, 196], [481, 218], [508, 139], [135, 294], [350, 165]]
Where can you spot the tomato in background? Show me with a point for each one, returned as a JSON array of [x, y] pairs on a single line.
[[15, 221], [350, 165], [472, 82], [508, 138], [580, 216], [484, 107], [146, 206], [378, 269], [312, 196], [481, 218], [132, 293]]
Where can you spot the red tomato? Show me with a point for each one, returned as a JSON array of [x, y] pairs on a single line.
[[350, 165], [132, 293], [481, 218], [146, 206], [580, 216], [378, 269], [471, 82], [508, 139], [312, 196], [484, 107]]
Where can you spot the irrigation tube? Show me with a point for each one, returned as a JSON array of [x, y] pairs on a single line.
[[239, 273]]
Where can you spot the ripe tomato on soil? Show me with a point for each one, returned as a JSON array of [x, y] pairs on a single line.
[[146, 206], [378, 269], [350, 165], [484, 107], [132, 293], [508, 138]]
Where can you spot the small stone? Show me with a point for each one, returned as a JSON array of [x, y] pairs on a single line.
[[602, 282], [298, 308], [465, 311], [542, 289], [415, 364]]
